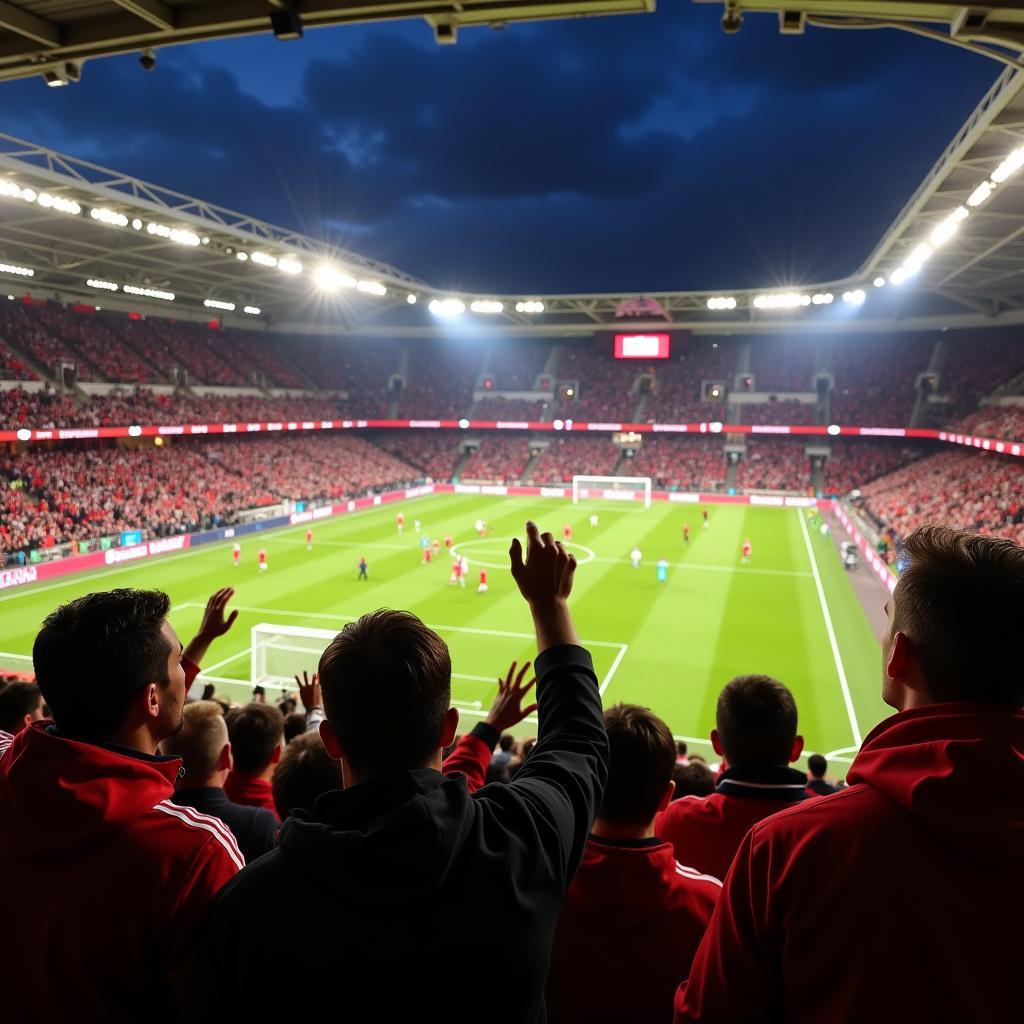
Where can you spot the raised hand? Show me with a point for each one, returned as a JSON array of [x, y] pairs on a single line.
[[507, 709], [309, 691], [214, 624], [545, 578]]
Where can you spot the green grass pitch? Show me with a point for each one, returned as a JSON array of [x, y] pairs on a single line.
[[669, 645]]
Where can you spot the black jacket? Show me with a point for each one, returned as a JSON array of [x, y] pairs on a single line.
[[384, 901], [255, 828]]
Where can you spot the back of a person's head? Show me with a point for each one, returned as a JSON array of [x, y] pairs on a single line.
[[681, 748], [960, 601], [386, 681], [642, 755], [693, 779], [255, 731], [95, 654], [756, 721], [817, 766], [294, 725], [17, 700], [304, 772], [200, 740], [507, 742]]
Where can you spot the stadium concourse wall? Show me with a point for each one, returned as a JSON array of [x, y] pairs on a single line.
[[23, 575], [28, 434]]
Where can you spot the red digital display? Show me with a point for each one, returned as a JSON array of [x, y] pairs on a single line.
[[642, 346]]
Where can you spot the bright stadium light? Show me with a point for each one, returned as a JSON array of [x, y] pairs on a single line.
[[833, 429], [487, 306], [822, 298], [411, 299], [329, 279], [371, 287], [252, 310], [218, 304], [181, 236], [781, 300], [107, 286], [58, 203], [721, 302], [137, 224], [948, 226], [111, 217], [879, 282], [855, 297], [1011, 165], [898, 276], [980, 194], [10, 268], [241, 256], [918, 257], [10, 189], [289, 265], [530, 306], [147, 293], [447, 307], [263, 259]]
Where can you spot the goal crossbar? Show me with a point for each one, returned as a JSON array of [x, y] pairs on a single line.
[[280, 652], [611, 488]]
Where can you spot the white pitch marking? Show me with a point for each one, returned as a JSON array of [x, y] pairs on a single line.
[[836, 657], [611, 672]]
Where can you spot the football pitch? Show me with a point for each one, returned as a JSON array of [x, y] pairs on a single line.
[[671, 645]]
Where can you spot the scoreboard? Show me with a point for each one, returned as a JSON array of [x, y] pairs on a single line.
[[640, 344]]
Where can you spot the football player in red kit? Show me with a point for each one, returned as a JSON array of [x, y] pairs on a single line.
[[686, 533], [567, 532], [482, 586], [400, 522], [309, 540], [746, 552]]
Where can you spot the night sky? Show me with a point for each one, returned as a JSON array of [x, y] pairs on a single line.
[[627, 153]]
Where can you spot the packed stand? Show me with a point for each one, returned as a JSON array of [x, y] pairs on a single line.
[[787, 412], [875, 377], [603, 384], [1002, 422], [497, 460], [12, 367], [495, 408], [975, 364], [44, 409], [257, 353], [782, 364], [515, 366], [567, 457], [690, 463], [177, 345], [676, 391], [440, 380], [971, 489], [852, 464], [433, 452], [98, 338], [35, 329], [774, 466]]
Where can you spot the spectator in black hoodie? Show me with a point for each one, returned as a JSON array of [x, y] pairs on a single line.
[[405, 868]]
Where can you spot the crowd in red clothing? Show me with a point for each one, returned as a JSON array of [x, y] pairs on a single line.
[[566, 457], [1005, 422], [788, 411], [515, 366], [493, 407], [851, 464], [690, 463], [497, 460], [778, 465]]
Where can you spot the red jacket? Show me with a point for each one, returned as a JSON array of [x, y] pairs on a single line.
[[706, 831], [629, 927], [250, 791], [897, 899], [107, 881]]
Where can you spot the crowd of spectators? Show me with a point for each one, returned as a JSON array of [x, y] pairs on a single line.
[[1005, 422], [853, 463], [690, 463], [516, 365], [35, 329], [676, 391], [43, 409], [569, 456], [974, 490], [776, 465], [602, 385], [783, 363], [498, 459], [787, 411], [433, 452], [975, 363], [494, 407], [98, 338], [440, 380]]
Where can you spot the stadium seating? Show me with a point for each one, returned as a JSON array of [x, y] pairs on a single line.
[[495, 408], [42, 409], [603, 384], [35, 330], [499, 459], [434, 453], [690, 463], [516, 365], [571, 456], [440, 381], [787, 411], [853, 463], [775, 465], [783, 363], [1001, 421]]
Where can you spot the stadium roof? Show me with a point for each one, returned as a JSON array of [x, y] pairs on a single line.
[[46, 36], [954, 255]]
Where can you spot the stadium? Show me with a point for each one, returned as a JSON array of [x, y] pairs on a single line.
[[194, 398]]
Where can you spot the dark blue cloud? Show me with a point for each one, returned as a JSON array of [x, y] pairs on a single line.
[[636, 153]]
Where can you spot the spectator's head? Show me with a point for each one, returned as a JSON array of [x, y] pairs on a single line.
[[642, 755], [20, 705], [304, 772], [817, 766], [257, 736], [294, 725], [527, 747], [507, 742], [202, 744], [756, 723], [681, 749], [109, 668], [386, 681], [953, 620], [693, 779]]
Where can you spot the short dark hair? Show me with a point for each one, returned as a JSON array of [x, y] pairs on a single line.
[[642, 754], [694, 779], [294, 725], [255, 730], [756, 721], [507, 741], [681, 748], [94, 654], [386, 682], [817, 765], [960, 601], [304, 772], [16, 701]]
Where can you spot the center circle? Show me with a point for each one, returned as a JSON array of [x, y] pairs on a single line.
[[458, 549]]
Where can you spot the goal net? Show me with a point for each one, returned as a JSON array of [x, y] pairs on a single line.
[[612, 488], [279, 653]]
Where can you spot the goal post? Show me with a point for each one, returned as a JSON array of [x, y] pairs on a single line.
[[612, 488], [279, 653]]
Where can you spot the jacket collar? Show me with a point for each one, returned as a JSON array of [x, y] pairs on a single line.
[[774, 782]]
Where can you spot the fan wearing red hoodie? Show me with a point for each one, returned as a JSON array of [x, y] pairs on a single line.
[[900, 897], [756, 723], [633, 916], [113, 878]]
